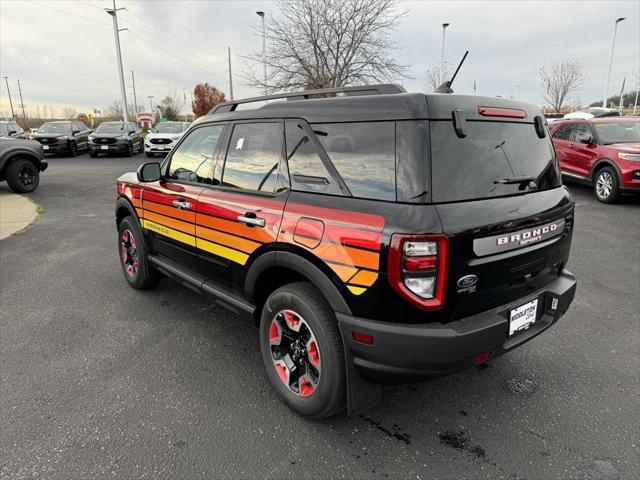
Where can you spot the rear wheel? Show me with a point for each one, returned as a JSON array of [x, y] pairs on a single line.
[[22, 176], [133, 256], [302, 351], [605, 185], [73, 149]]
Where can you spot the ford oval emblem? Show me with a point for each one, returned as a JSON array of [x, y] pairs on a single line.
[[467, 281]]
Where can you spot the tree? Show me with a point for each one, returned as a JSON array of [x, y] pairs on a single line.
[[169, 108], [328, 43], [205, 97], [69, 113], [436, 75], [115, 111], [561, 79]]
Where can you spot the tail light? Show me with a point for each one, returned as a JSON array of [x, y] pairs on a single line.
[[417, 268]]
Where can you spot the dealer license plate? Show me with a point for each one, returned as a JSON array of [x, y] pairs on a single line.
[[104, 147], [45, 147], [522, 317]]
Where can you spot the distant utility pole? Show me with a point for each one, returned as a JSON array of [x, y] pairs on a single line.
[[624, 79], [114, 14], [13, 115], [264, 49], [474, 87], [230, 76], [135, 100], [24, 115], [150, 97], [613, 45], [184, 100]]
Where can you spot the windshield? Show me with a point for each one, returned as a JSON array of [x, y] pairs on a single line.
[[3, 129], [55, 128], [169, 128], [493, 160], [623, 132], [116, 127]]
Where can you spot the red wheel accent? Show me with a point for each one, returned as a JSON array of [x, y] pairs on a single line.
[[275, 334], [283, 372], [306, 387], [129, 253], [312, 352], [293, 321]]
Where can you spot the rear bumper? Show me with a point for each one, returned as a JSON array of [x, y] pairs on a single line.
[[408, 352]]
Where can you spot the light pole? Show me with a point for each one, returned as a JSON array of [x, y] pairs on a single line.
[[264, 49], [613, 44], [150, 97], [13, 115], [114, 14], [444, 27]]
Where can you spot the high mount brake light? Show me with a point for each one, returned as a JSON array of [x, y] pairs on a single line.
[[418, 267], [501, 112]]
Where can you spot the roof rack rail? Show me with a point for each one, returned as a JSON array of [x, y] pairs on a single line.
[[381, 89]]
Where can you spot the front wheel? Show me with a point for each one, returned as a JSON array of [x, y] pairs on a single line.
[[73, 149], [605, 186], [141, 147], [149, 154], [130, 150], [302, 351], [133, 256], [22, 176]]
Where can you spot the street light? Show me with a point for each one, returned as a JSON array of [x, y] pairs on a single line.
[[613, 44], [264, 49], [116, 31], [444, 27], [150, 97]]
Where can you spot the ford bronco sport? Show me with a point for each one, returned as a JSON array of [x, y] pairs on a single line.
[[373, 235]]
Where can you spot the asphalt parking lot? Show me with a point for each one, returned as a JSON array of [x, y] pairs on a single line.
[[98, 380]]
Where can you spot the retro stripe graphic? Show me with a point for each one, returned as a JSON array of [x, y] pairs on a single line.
[[348, 242]]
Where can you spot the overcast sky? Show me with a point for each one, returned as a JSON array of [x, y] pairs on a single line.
[[63, 51]]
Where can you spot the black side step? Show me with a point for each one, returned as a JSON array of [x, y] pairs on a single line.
[[198, 283]]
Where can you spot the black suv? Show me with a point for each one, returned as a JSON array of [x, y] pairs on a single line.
[[10, 129], [63, 137], [373, 235], [21, 162], [116, 137]]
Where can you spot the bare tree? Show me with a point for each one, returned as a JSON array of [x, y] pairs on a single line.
[[69, 113], [561, 79], [328, 43], [436, 75]]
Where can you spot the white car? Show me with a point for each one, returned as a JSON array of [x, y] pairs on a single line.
[[162, 138]]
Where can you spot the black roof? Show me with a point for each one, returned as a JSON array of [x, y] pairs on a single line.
[[359, 108]]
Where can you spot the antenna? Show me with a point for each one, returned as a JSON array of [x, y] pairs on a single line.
[[446, 86]]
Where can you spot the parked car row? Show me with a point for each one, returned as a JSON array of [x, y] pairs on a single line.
[[122, 138]]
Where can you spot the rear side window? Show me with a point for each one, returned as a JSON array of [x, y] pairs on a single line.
[[253, 157], [486, 162], [563, 132], [364, 156]]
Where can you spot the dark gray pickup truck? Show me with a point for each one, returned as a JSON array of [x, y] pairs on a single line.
[[21, 162]]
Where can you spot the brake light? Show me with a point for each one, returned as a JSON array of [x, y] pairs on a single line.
[[501, 112], [417, 268]]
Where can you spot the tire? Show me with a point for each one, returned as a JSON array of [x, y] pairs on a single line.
[[321, 388], [136, 267], [605, 185], [130, 150], [149, 154], [141, 148], [73, 149], [22, 176]]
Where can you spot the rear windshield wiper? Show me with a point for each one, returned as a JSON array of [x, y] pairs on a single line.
[[522, 182]]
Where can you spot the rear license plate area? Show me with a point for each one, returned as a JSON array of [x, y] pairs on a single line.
[[523, 317]]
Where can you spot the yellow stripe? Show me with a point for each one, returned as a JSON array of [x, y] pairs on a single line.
[[356, 290], [169, 232], [223, 251]]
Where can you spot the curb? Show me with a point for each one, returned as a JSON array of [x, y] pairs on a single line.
[[17, 212]]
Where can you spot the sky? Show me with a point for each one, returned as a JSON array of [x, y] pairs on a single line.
[[63, 51]]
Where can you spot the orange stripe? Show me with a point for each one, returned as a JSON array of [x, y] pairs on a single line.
[[347, 255], [246, 246], [184, 215], [365, 278], [135, 202], [139, 211], [235, 228], [170, 222], [344, 272]]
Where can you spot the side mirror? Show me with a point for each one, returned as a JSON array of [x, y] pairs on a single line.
[[12, 132], [75, 132], [149, 172], [587, 140]]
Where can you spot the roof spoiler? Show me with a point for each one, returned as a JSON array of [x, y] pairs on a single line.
[[381, 89]]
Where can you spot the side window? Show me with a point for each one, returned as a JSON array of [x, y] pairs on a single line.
[[364, 155], [253, 157], [306, 170], [580, 132], [563, 133], [192, 161]]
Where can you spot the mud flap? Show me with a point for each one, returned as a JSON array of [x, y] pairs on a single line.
[[361, 393]]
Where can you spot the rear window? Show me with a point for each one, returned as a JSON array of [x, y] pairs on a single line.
[[477, 166]]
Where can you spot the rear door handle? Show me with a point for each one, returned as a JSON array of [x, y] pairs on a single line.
[[251, 220], [182, 204]]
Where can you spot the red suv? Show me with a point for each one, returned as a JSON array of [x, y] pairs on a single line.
[[604, 152]]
